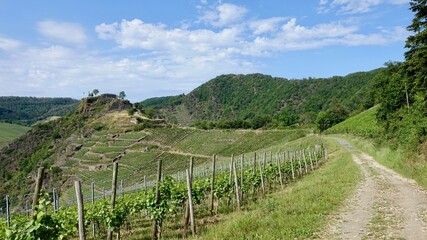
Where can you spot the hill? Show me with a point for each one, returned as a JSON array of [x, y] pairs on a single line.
[[235, 97], [363, 124], [83, 145], [46, 142], [28, 110], [9, 132]]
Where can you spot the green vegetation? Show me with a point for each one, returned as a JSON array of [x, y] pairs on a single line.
[[173, 195], [329, 118], [401, 88], [9, 132], [403, 161], [281, 101], [364, 124], [300, 210], [28, 110]]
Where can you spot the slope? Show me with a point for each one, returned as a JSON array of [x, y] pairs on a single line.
[[247, 96], [363, 124], [28, 110], [9, 132]]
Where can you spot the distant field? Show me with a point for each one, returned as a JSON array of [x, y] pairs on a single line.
[[9, 132]]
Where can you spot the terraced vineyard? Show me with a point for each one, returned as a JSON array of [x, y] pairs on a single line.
[[138, 152]]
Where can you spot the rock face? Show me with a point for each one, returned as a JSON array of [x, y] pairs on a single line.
[[102, 103], [40, 145]]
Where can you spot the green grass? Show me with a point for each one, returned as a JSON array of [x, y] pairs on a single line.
[[299, 211], [227, 142], [402, 161], [363, 124], [9, 132]]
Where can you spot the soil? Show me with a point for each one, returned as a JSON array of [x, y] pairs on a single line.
[[384, 206]]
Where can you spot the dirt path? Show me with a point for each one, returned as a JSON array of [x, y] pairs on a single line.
[[385, 205]]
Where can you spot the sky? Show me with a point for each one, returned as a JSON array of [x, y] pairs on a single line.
[[152, 48]]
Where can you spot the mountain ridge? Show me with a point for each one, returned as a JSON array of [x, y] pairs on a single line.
[[239, 96]]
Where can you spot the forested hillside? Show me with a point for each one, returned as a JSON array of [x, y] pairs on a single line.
[[28, 110], [247, 97]]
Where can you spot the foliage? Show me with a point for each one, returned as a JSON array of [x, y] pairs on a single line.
[[28, 110], [121, 95], [43, 226], [159, 102], [401, 88], [252, 97], [149, 111], [364, 124], [329, 118], [173, 195]]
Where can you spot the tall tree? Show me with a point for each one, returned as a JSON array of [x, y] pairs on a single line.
[[122, 95], [416, 56]]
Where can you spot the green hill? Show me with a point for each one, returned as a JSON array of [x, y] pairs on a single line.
[[363, 124], [9, 132], [28, 110], [234, 97], [84, 144]]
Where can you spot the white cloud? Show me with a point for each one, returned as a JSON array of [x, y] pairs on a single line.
[[266, 25], [153, 58], [63, 31], [354, 6], [8, 44], [223, 14], [158, 38]]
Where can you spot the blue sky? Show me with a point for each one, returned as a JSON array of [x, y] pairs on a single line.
[[167, 47]]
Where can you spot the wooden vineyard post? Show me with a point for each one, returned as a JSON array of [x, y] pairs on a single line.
[[292, 165], [39, 183], [187, 207], [264, 159], [230, 177], [27, 210], [156, 225], [305, 161], [280, 172], [262, 179], [300, 165], [113, 193], [190, 204], [121, 188], [80, 208], [7, 211], [236, 184], [231, 170], [145, 183], [242, 174], [213, 184], [54, 200], [311, 159], [326, 153], [92, 189], [254, 166]]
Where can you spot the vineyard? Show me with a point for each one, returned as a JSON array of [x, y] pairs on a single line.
[[364, 125], [218, 185]]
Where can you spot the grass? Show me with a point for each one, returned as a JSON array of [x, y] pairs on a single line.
[[402, 161], [299, 211], [363, 124], [9, 132], [225, 143]]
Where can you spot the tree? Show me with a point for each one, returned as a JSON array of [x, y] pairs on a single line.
[[95, 92], [416, 56], [150, 112], [329, 118], [122, 95]]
